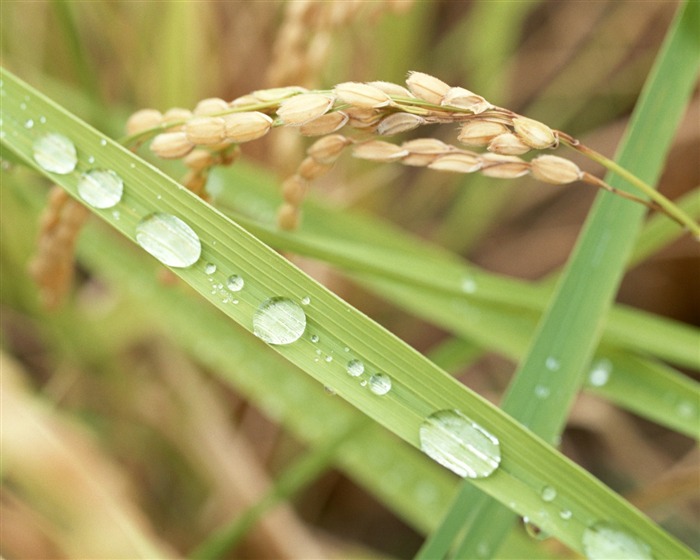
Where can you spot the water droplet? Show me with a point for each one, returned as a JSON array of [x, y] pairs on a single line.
[[329, 390], [603, 541], [346, 349], [355, 368], [169, 239], [685, 409], [29, 123], [534, 531], [279, 320], [548, 493], [542, 391], [329, 359], [318, 351], [23, 106], [552, 364], [469, 285], [42, 119], [565, 514], [101, 188], [380, 383], [235, 283], [363, 383], [103, 142], [458, 443], [209, 268], [306, 300], [314, 339], [56, 153], [91, 159], [600, 373], [116, 214]]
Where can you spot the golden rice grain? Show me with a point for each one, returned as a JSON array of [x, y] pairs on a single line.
[[171, 145], [427, 87], [378, 150], [554, 169], [303, 108]]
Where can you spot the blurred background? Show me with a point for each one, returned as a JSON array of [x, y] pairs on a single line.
[[137, 427]]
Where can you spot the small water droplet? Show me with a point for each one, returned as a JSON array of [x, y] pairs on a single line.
[[103, 142], [534, 531], [314, 339], [56, 153], [552, 364], [116, 214], [235, 283], [346, 349], [542, 391], [600, 373], [306, 300], [169, 239], [318, 351], [23, 106], [42, 119], [329, 359], [565, 514], [279, 321], [101, 188], [380, 383], [209, 268], [548, 493], [458, 443], [603, 541], [355, 368], [132, 165], [363, 383], [29, 123], [468, 285], [329, 390], [685, 409]]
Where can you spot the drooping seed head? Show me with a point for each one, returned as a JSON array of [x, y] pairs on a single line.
[[465, 99], [508, 144], [288, 217], [199, 159], [205, 130], [457, 162], [311, 169], [554, 169], [423, 151], [361, 95], [427, 87], [378, 150], [143, 120], [325, 124], [327, 149], [246, 126], [177, 114], [210, 106], [171, 145], [277, 94], [303, 108], [534, 133], [503, 167], [399, 122], [391, 89], [293, 190], [480, 132]]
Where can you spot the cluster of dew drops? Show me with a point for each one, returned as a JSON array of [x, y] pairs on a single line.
[[448, 436]]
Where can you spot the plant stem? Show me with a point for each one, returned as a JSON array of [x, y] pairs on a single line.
[[668, 207]]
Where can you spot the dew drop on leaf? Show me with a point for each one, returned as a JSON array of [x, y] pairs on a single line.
[[380, 383], [55, 153], [603, 541], [235, 283], [355, 368], [101, 188], [279, 321], [169, 239], [460, 444]]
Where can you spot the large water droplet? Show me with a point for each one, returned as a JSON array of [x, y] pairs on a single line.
[[600, 373], [603, 541], [458, 443], [548, 493], [101, 188], [355, 368], [380, 383], [169, 239], [279, 320], [235, 283], [56, 153]]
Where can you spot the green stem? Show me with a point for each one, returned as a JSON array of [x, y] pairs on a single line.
[[664, 203]]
